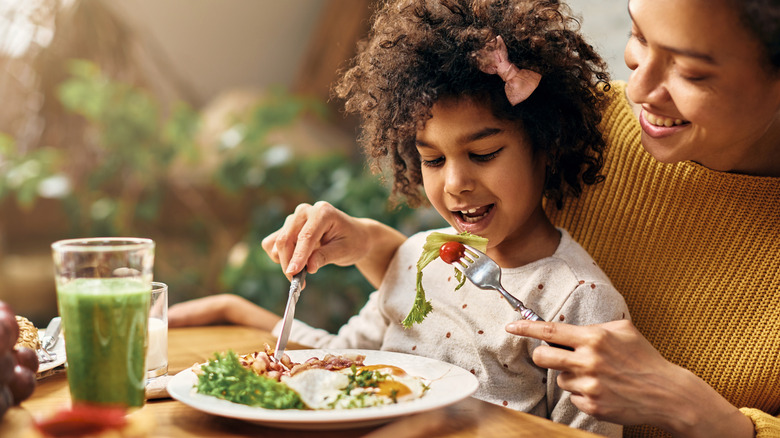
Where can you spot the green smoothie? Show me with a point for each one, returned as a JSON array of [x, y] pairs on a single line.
[[105, 327]]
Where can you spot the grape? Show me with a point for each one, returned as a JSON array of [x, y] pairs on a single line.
[[23, 384], [7, 363], [9, 329], [27, 358], [6, 400]]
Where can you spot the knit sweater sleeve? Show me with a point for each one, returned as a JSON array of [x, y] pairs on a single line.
[[364, 330], [766, 425]]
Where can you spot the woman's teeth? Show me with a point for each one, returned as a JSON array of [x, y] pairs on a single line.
[[662, 121]]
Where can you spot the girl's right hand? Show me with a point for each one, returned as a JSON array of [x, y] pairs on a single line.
[[320, 234]]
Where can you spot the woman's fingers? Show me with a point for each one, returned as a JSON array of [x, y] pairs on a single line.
[[550, 332]]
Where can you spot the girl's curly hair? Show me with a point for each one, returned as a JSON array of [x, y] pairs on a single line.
[[419, 51]]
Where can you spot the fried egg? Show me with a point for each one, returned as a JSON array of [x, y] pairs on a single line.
[[399, 384], [325, 389], [318, 388]]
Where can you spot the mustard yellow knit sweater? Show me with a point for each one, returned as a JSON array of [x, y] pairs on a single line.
[[696, 254]]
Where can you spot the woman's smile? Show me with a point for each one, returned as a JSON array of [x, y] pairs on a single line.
[[659, 126]]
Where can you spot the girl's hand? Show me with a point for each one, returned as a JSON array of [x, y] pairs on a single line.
[[221, 309], [320, 234], [615, 374]]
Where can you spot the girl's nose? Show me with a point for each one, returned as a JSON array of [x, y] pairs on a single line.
[[458, 179]]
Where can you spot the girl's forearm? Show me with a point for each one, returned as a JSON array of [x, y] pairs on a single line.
[[240, 311], [385, 240]]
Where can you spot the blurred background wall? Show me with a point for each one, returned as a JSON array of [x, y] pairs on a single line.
[[198, 123], [216, 45]]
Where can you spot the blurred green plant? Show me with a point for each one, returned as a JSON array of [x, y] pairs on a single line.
[[28, 175], [120, 181], [127, 171]]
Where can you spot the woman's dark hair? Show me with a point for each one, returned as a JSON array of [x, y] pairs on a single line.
[[419, 51], [762, 18]]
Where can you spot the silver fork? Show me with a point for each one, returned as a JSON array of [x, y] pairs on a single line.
[[44, 356], [485, 273]]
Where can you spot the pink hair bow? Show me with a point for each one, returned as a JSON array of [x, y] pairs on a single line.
[[494, 59]]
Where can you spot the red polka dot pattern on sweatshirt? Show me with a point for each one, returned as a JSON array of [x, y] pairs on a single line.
[[541, 286], [561, 317], [448, 334]]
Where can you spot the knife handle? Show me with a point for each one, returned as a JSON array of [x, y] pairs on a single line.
[[50, 337]]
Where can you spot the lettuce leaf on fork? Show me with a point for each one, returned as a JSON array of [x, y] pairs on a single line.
[[430, 252]]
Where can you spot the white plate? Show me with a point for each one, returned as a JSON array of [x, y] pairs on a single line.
[[449, 384], [59, 349]]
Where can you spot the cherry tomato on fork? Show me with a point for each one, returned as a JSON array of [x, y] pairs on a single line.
[[452, 251]]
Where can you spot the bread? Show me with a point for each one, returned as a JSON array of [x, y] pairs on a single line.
[[28, 334]]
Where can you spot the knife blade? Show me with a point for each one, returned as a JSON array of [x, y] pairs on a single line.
[[296, 284], [52, 334]]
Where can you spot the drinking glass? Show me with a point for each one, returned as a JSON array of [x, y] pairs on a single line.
[[157, 353], [103, 295]]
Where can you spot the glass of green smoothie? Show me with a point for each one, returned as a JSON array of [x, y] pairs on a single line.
[[103, 292]]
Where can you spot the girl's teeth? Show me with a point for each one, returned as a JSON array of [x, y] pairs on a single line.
[[471, 216], [662, 121]]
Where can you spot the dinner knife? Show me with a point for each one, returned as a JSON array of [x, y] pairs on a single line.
[[52, 334], [289, 313]]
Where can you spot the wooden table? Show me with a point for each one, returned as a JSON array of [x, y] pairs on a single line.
[[186, 346]]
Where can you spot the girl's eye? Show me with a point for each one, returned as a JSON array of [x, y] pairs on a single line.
[[485, 157], [436, 162]]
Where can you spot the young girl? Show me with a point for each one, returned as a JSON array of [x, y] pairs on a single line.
[[489, 106]]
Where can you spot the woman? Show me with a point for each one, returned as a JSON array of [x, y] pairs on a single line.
[[693, 244], [688, 231]]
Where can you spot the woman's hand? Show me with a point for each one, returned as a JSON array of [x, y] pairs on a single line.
[[320, 234], [615, 374]]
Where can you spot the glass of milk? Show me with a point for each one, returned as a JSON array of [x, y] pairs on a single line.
[[157, 353]]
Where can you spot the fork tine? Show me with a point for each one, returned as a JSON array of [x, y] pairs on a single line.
[[472, 251]]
